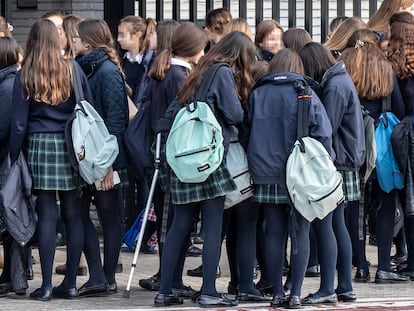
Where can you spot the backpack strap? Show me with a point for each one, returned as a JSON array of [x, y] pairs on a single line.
[[386, 107], [77, 84], [304, 97], [205, 84]]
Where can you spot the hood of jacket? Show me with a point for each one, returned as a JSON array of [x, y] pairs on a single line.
[[92, 61], [7, 72], [337, 69]]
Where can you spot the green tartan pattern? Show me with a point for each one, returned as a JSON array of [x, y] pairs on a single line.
[[351, 185], [275, 194], [219, 183], [48, 161]]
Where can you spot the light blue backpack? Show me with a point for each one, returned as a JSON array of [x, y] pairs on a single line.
[[194, 147], [92, 149]]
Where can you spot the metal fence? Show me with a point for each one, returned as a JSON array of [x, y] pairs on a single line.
[[314, 16]]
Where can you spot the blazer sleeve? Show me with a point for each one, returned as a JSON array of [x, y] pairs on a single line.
[[19, 119], [224, 91]]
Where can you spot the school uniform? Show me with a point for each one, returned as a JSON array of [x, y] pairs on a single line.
[[43, 125], [270, 132], [227, 108]]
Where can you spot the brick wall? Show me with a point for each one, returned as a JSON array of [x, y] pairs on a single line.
[[22, 19]]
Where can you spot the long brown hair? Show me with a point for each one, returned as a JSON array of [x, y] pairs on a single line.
[[235, 49], [367, 65], [187, 40], [97, 34], [401, 44], [380, 20], [45, 74]]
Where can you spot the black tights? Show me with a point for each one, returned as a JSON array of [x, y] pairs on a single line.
[[241, 245], [212, 215], [384, 228], [159, 211], [278, 224], [47, 214], [110, 216]]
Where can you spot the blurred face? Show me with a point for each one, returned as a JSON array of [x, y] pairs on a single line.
[[272, 42], [153, 40], [58, 21], [127, 40], [81, 48]]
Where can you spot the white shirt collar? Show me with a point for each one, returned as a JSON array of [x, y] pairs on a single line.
[[137, 59], [180, 62]]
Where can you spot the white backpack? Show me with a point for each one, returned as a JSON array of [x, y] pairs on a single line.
[[313, 182]]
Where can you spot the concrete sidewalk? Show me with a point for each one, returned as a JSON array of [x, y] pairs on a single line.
[[395, 296]]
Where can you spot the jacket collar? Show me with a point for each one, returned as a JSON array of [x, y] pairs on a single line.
[[8, 71], [91, 62], [279, 78]]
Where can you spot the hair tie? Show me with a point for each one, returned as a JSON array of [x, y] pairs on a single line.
[[359, 44]]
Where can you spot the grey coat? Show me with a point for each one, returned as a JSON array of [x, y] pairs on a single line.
[[17, 203]]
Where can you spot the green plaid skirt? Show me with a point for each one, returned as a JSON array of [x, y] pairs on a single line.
[[48, 161], [351, 185], [219, 183], [275, 194]]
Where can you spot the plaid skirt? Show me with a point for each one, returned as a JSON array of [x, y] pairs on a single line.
[[219, 183], [48, 162], [351, 185], [275, 194]]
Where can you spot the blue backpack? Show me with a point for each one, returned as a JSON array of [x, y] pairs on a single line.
[[194, 147], [388, 173]]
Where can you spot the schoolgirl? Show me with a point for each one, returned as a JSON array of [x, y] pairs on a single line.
[[272, 112], [375, 80], [13, 277], [338, 95], [269, 38], [237, 50], [401, 53], [164, 32], [170, 69], [98, 59], [216, 24], [133, 38], [43, 101]]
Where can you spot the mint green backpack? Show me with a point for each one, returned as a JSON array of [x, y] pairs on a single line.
[[194, 147]]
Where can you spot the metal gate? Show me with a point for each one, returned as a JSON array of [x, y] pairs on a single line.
[[314, 16]]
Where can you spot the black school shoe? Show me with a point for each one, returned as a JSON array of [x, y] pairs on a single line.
[[207, 301], [386, 277], [153, 283], [163, 300]]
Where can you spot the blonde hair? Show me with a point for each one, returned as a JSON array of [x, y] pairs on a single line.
[[339, 38], [380, 20], [240, 24]]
